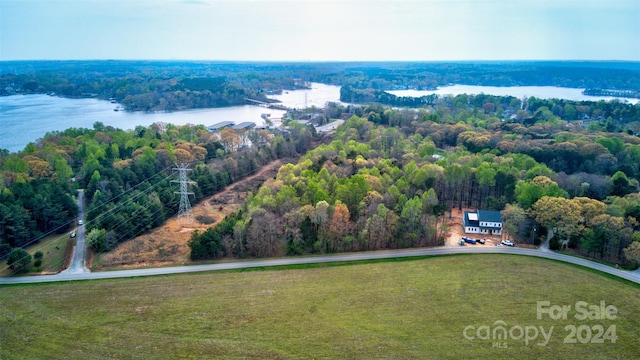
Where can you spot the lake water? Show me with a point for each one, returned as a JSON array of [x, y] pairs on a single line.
[[317, 96], [26, 118], [542, 92]]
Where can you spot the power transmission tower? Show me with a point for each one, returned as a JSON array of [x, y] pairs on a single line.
[[184, 212]]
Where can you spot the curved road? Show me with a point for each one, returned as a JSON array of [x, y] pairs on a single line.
[[73, 276]]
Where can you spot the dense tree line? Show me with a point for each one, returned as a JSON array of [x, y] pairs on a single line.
[[385, 182], [328, 202], [149, 85], [429, 76], [354, 95], [174, 85], [35, 197], [218, 163], [127, 177], [610, 116]]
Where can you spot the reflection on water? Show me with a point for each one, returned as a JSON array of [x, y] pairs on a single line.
[[317, 96], [542, 92], [25, 118]]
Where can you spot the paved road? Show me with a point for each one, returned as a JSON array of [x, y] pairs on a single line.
[[77, 265], [70, 276]]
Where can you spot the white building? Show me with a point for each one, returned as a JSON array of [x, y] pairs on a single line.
[[487, 222]]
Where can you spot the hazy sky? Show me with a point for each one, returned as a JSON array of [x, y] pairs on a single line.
[[320, 30]]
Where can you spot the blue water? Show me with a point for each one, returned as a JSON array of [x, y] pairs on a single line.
[[27, 118], [542, 92]]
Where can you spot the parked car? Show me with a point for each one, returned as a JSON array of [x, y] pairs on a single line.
[[481, 241], [80, 222], [73, 234], [507, 243], [469, 240]]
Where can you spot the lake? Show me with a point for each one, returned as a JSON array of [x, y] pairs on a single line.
[[542, 92], [317, 96], [26, 118]]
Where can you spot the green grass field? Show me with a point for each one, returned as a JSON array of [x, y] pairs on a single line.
[[414, 309], [53, 251]]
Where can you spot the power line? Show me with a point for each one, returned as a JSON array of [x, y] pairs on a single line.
[[185, 206], [66, 224], [184, 212], [116, 208]]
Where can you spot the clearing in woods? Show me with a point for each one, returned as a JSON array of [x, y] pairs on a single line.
[[168, 244]]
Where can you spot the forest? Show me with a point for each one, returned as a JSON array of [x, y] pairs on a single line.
[[126, 176], [564, 170], [391, 186], [177, 85], [387, 179]]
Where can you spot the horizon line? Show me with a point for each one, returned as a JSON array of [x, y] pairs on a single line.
[[328, 61]]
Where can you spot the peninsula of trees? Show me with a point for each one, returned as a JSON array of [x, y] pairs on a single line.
[[176, 85]]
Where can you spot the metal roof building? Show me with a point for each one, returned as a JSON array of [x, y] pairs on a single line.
[[490, 216], [244, 125], [482, 222], [220, 125]]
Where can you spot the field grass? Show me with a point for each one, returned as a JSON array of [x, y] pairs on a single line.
[[53, 250], [415, 309]]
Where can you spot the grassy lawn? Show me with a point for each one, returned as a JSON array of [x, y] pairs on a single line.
[[53, 250], [408, 310]]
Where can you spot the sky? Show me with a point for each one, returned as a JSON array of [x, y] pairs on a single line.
[[320, 30]]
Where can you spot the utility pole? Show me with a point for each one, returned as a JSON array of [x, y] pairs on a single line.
[[185, 215]]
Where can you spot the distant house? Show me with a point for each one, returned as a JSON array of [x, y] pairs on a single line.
[[486, 222]]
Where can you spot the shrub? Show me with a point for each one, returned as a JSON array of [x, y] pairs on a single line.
[[19, 258], [204, 219]]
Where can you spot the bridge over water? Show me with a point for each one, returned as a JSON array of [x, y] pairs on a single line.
[[267, 104], [615, 93]]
